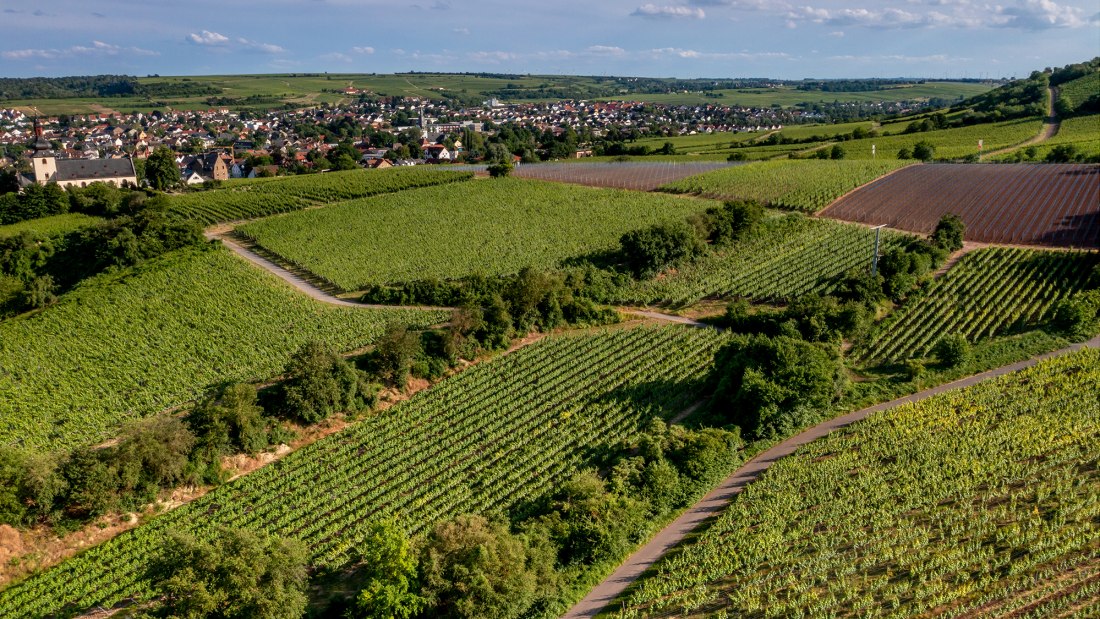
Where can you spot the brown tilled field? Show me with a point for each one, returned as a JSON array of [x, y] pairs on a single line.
[[636, 175], [1027, 204]]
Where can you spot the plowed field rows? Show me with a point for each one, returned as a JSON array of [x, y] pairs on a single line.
[[636, 175], [1029, 204]]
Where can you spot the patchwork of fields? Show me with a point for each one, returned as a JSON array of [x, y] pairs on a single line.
[[499, 432], [790, 256], [1048, 204], [807, 185], [491, 227], [126, 345]]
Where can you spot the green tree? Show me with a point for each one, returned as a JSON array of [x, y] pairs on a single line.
[[953, 350], [760, 379], [499, 169], [395, 352], [237, 574], [161, 170], [228, 419], [949, 232], [388, 573], [651, 249], [320, 382], [471, 567], [924, 151]]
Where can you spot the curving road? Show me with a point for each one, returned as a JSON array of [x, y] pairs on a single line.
[[717, 499], [299, 283]]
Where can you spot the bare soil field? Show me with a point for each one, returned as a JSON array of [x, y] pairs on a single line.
[[1054, 205]]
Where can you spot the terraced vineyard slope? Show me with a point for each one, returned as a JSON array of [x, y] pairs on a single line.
[[127, 345], [267, 196], [808, 185], [499, 432], [493, 227], [977, 502], [792, 255], [989, 292], [1032, 204]]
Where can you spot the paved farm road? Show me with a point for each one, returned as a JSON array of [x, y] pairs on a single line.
[[713, 503]]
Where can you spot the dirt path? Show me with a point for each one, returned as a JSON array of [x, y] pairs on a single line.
[[716, 501], [1051, 124], [665, 317], [298, 282]]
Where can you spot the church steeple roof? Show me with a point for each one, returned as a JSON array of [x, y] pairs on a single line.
[[41, 145]]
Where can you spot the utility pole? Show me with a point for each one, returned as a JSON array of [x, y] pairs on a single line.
[[874, 258]]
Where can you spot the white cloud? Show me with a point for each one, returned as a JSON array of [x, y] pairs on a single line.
[[208, 38], [605, 50], [368, 50], [263, 48], [491, 56], [97, 48], [335, 57], [837, 33], [652, 11], [1043, 14], [696, 54], [1022, 14], [462, 31]]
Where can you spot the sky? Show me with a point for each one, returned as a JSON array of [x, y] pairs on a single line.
[[658, 38]]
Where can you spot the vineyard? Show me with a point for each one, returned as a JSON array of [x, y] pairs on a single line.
[[639, 176], [126, 345], [1053, 205], [1080, 132], [954, 143], [989, 292], [268, 196], [494, 435], [977, 502], [808, 185], [1077, 92], [492, 227], [50, 226], [792, 255]]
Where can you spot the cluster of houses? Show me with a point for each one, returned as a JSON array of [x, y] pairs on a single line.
[[219, 144]]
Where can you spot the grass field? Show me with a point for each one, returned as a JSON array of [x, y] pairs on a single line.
[[499, 433], [492, 227], [977, 502], [121, 346], [50, 226], [807, 185], [789, 256]]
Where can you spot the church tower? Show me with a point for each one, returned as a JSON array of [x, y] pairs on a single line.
[[45, 164]]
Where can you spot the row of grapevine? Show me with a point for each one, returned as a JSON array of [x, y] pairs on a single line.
[[988, 292], [124, 345], [792, 256], [978, 502], [269, 196], [496, 434], [804, 185], [494, 227]]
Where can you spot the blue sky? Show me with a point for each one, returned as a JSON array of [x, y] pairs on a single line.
[[661, 38]]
